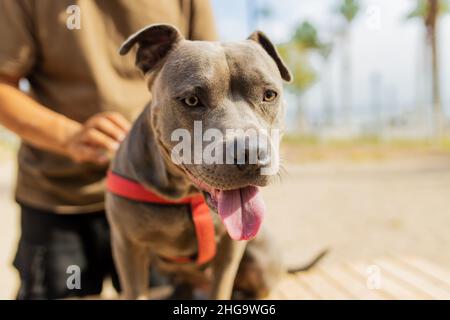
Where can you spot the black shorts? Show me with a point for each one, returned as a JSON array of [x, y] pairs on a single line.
[[50, 243]]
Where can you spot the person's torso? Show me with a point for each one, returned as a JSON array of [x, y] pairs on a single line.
[[79, 71]]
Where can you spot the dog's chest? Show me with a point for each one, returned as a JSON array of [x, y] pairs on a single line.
[[169, 230]]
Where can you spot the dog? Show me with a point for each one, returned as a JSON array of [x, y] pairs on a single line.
[[237, 85]]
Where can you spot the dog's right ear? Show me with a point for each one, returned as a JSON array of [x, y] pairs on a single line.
[[155, 42], [268, 46]]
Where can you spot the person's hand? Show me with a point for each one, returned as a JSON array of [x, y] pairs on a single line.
[[98, 138]]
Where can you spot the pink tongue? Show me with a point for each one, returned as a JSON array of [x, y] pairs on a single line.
[[242, 211]]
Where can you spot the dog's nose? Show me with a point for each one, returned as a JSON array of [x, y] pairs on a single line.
[[247, 154]]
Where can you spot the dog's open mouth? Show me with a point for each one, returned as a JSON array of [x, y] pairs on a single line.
[[241, 210]]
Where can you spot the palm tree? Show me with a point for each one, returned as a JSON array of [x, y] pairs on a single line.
[[306, 36], [325, 52], [348, 9], [296, 54], [430, 11]]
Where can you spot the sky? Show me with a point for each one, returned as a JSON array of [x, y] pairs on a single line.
[[384, 46]]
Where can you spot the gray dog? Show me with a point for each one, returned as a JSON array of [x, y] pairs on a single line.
[[225, 86]]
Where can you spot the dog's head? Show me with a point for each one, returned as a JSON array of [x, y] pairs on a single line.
[[217, 110]]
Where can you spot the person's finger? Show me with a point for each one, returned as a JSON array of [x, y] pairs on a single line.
[[119, 120], [110, 128], [96, 138], [87, 153]]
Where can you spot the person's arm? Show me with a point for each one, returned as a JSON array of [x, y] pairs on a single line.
[[202, 24], [92, 141]]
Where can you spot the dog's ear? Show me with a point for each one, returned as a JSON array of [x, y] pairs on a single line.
[[155, 42], [268, 46]]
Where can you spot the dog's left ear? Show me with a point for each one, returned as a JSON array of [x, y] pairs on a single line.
[[155, 42], [268, 46]]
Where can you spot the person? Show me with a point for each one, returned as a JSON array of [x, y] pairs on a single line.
[[82, 98]]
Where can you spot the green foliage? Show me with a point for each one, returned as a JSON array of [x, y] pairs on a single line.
[[306, 36], [349, 9], [265, 12], [422, 8], [296, 54], [296, 57], [325, 50]]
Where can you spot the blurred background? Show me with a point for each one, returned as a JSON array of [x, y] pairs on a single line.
[[366, 155], [374, 68]]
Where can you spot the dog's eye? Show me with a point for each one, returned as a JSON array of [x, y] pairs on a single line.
[[191, 101], [269, 95]]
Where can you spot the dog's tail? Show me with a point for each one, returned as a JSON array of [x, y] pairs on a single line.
[[310, 264]]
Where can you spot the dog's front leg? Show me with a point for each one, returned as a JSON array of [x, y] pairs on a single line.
[[225, 267], [132, 262]]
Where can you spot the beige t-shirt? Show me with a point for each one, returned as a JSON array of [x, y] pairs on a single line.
[[78, 73]]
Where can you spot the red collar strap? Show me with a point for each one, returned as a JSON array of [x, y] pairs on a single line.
[[204, 226]]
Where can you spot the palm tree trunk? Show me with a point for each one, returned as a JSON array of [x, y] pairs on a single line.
[[432, 38], [327, 95], [346, 74], [300, 116]]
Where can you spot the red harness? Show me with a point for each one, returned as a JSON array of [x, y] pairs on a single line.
[[204, 226]]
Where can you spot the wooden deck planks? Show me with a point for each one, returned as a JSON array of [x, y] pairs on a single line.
[[352, 282], [289, 289], [322, 286], [440, 275], [400, 278], [413, 279], [390, 288]]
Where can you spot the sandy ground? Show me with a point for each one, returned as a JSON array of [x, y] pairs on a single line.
[[358, 209]]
